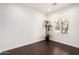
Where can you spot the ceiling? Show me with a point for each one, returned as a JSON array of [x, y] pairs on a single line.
[[48, 7]]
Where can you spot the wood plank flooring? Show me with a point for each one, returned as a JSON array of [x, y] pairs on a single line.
[[44, 48]]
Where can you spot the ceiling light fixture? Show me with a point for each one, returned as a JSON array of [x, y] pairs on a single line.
[[48, 9]]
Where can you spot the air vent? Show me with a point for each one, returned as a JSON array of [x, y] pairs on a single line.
[[53, 4]]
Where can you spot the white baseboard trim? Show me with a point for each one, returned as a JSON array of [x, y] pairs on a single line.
[[67, 43], [5, 49]]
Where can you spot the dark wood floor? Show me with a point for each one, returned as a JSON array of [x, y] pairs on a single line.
[[44, 48]]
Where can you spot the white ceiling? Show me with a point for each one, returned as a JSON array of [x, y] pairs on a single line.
[[47, 7]]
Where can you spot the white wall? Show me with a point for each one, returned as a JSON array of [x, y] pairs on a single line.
[[19, 25], [72, 14]]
